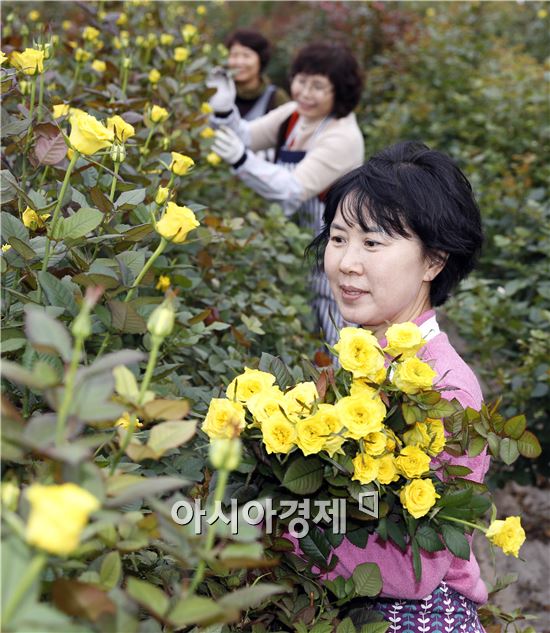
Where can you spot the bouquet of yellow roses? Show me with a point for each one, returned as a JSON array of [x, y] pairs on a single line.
[[365, 444]]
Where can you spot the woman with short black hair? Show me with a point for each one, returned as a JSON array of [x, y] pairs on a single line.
[[316, 138]]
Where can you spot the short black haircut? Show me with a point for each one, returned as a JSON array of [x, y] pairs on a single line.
[[339, 65], [254, 40], [409, 189]]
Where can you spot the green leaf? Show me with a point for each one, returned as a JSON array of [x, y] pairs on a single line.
[[163, 409], [316, 546], [476, 446], [195, 610], [417, 561], [22, 248], [375, 627], [123, 489], [81, 223], [514, 427], [455, 541], [509, 451], [494, 443], [275, 366], [367, 579], [455, 499], [304, 476], [148, 596], [13, 227], [443, 409], [57, 292], [457, 471], [125, 318], [397, 533], [346, 626], [110, 570], [46, 334], [529, 446], [428, 539], [126, 383], [132, 198], [167, 435], [251, 596]]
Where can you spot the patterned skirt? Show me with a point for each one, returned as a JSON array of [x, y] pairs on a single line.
[[443, 611]]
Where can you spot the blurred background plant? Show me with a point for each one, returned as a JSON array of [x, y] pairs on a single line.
[[468, 78]]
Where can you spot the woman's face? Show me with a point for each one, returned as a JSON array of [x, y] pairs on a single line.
[[314, 95], [377, 280], [244, 62]]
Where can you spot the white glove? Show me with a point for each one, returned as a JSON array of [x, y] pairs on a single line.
[[224, 98], [228, 145]]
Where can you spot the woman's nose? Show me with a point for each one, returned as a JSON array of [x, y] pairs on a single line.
[[351, 262]]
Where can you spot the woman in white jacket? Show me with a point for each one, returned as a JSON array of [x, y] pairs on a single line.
[[316, 139]]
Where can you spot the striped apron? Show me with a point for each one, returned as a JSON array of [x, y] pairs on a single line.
[[310, 216]]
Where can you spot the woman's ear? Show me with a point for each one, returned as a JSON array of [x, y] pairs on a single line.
[[435, 263]]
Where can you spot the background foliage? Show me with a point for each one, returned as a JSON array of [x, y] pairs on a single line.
[[467, 78]]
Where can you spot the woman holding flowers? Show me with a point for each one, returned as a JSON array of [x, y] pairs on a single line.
[[316, 139], [399, 234]]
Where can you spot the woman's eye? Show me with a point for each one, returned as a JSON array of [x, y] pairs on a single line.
[[371, 243], [336, 239]]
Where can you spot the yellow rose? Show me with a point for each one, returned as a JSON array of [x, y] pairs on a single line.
[[81, 55], [361, 415], [365, 468], [374, 444], [125, 420], [335, 437], [122, 19], [162, 195], [542, 13], [213, 159], [88, 135], [176, 223], [208, 132], [57, 517], [418, 497], [387, 470], [265, 404], [300, 399], [206, 108], [201, 9], [163, 283], [403, 339], [29, 62], [436, 431], [90, 33], [66, 25], [181, 164], [507, 534], [99, 66], [278, 434], [3, 58], [181, 53], [61, 109], [417, 435], [166, 39], [154, 76], [320, 431], [360, 386], [6, 248], [34, 15], [188, 32], [158, 114], [225, 418], [248, 384], [413, 376], [359, 352], [122, 130], [32, 220], [412, 462], [392, 441]]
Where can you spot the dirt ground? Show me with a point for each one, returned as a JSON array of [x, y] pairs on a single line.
[[531, 593]]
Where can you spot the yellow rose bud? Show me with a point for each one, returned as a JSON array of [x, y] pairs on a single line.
[[412, 462], [122, 19], [163, 283], [118, 153], [90, 33], [125, 420], [208, 132], [6, 248], [162, 195], [88, 135], [430, 12], [10, 495], [158, 114], [436, 432], [29, 62], [166, 39], [32, 220], [248, 384], [161, 322], [365, 468], [213, 159], [34, 15], [66, 25], [58, 516], [542, 13], [3, 58], [61, 109], [224, 419], [176, 223], [181, 53], [359, 352], [507, 534], [24, 87], [403, 339], [126, 62], [99, 66], [81, 55], [188, 32], [206, 108], [201, 9], [413, 375], [154, 76], [122, 130], [181, 164], [225, 453], [278, 434], [418, 497]]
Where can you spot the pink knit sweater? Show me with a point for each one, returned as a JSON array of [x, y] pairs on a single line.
[[396, 566]]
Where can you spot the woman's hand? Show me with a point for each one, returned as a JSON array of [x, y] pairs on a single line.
[[229, 146]]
